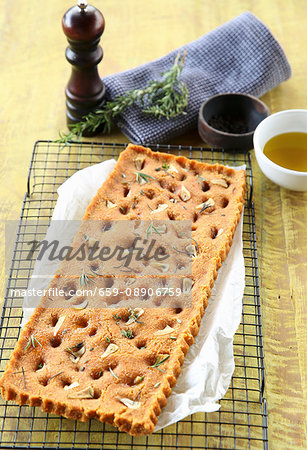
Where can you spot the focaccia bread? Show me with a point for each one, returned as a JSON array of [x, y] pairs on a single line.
[[119, 365]]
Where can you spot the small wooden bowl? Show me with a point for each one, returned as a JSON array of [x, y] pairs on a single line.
[[229, 120]]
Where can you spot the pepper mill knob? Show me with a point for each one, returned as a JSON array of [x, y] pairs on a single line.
[[83, 26]]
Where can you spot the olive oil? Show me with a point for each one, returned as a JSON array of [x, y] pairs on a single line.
[[288, 150]]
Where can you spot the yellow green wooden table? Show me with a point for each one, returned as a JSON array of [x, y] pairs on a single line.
[[34, 73]]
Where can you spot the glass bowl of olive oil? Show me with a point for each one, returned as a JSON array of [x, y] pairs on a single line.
[[280, 143]]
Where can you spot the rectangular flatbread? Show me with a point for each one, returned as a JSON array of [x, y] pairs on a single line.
[[118, 365]]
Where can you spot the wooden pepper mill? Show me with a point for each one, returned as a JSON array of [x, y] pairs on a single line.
[[83, 26]]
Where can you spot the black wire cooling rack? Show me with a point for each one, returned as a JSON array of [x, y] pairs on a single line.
[[241, 421]]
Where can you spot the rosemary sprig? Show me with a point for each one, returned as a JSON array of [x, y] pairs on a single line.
[[166, 98], [23, 377], [197, 246], [180, 251], [116, 317], [78, 346], [206, 206], [128, 334], [153, 229], [32, 342], [56, 375], [86, 278], [138, 379], [130, 270], [113, 374], [158, 363], [133, 317], [96, 274], [165, 168], [143, 178], [138, 395], [200, 180], [76, 351]]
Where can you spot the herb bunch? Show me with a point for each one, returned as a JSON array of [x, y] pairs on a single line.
[[166, 98]]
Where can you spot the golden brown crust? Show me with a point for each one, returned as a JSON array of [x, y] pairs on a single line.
[[37, 372]]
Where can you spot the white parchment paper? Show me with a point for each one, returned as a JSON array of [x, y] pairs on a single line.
[[209, 364]]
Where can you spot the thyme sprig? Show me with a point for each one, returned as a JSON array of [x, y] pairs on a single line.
[[166, 98]]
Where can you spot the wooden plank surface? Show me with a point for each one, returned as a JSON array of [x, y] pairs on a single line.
[[33, 76]]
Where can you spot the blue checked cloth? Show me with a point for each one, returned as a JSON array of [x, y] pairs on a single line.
[[240, 56]]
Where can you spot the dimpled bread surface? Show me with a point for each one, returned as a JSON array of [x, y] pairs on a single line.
[[59, 363]]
